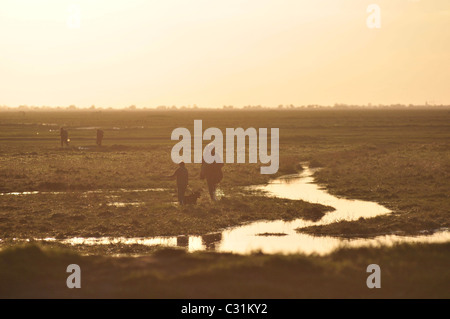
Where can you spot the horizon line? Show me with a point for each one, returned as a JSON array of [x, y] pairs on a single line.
[[224, 107]]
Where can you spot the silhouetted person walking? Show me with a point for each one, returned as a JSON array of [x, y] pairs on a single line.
[[64, 137], [99, 137], [213, 174], [182, 181]]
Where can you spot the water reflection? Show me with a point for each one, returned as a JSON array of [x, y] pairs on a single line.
[[230, 242], [302, 186], [122, 204], [279, 236], [209, 241], [98, 191], [183, 241]]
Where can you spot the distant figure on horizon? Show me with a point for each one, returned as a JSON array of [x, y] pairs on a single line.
[[64, 137], [182, 177], [212, 173], [99, 137]]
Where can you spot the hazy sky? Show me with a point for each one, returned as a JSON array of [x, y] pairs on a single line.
[[223, 52]]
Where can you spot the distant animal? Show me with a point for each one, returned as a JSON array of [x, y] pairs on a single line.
[[192, 198]]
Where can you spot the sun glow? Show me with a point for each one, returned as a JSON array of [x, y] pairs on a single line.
[[211, 53]]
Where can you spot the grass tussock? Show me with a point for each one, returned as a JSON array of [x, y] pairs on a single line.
[[290, 164]]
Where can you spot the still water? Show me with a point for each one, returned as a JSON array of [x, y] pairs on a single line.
[[280, 236]]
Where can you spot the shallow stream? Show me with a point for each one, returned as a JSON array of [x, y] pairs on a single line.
[[279, 236]]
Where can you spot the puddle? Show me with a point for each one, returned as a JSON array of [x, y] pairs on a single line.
[[48, 124], [87, 128], [143, 190], [272, 237], [279, 243], [20, 193], [98, 127], [191, 243], [87, 148], [307, 244], [98, 191], [121, 204]]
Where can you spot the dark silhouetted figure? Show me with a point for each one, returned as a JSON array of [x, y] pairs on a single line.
[[210, 240], [213, 174], [99, 137], [183, 241], [182, 181], [64, 137]]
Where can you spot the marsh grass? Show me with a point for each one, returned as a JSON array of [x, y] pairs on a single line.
[[408, 271], [412, 180], [398, 158], [76, 214], [290, 164]]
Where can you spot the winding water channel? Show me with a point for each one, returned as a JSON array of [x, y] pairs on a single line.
[[272, 237]]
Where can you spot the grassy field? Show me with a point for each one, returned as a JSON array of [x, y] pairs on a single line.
[[419, 271], [398, 158]]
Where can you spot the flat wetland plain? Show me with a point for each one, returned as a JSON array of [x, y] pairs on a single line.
[[397, 158]]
